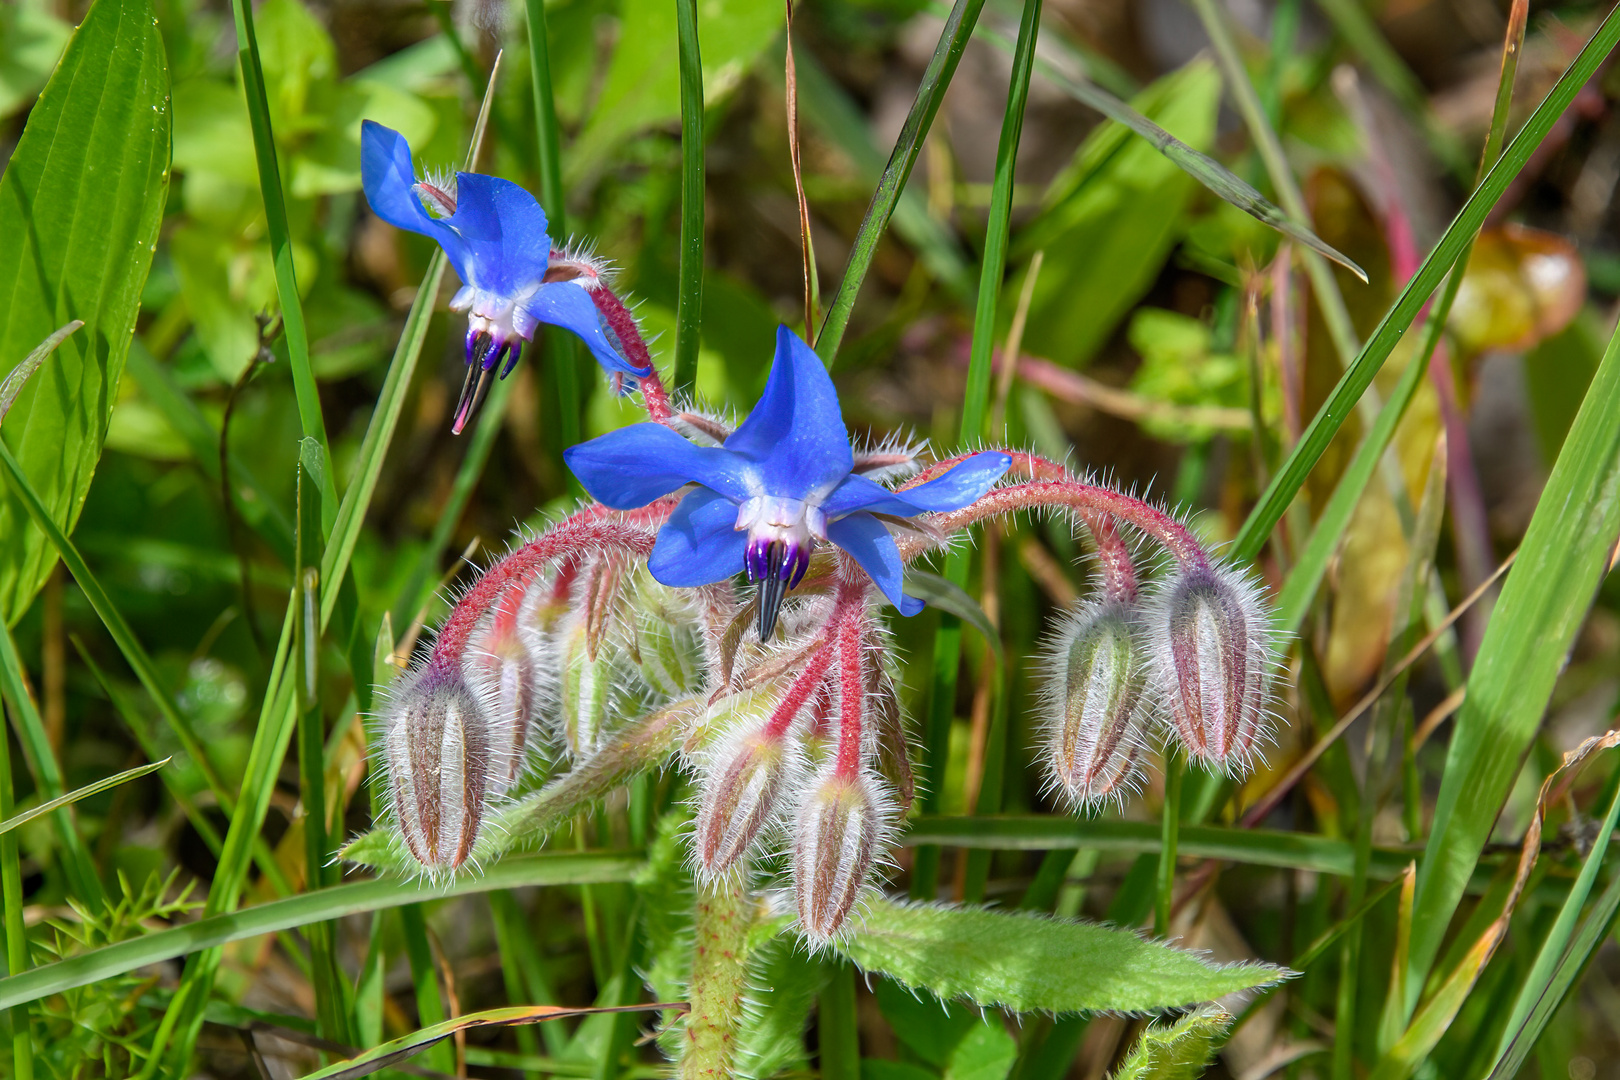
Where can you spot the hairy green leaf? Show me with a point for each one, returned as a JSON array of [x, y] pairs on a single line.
[[1027, 962], [1178, 1051]]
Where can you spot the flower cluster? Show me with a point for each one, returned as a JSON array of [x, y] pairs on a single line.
[[744, 572]]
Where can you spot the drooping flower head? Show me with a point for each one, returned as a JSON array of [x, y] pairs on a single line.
[[782, 482], [494, 234]]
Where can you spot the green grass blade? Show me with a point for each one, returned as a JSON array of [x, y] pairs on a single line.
[[11, 895], [689, 303], [13, 383], [1544, 602], [941, 66], [79, 869], [1599, 923], [1359, 375], [1201, 167], [134, 653], [1555, 947], [106, 784], [81, 204], [425, 977], [1307, 574], [320, 905], [281, 252], [829, 107], [1258, 847]]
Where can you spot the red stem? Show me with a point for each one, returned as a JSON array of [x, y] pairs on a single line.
[[653, 394], [590, 529]]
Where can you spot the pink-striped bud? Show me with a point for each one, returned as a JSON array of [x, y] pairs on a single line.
[[1212, 662], [502, 675], [1097, 703], [841, 828], [435, 741], [740, 794]]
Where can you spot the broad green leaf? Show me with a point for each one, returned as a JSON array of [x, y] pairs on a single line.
[[951, 597], [1111, 219], [1178, 1051], [1025, 962], [1543, 605], [642, 86], [311, 907], [80, 204]]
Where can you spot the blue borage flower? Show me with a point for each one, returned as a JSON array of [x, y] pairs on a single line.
[[781, 482], [494, 234]]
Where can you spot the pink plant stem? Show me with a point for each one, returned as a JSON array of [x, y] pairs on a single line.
[[653, 394], [589, 529], [1113, 558], [851, 699], [799, 693], [1043, 494]]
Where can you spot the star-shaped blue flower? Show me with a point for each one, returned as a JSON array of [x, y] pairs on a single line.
[[782, 481], [494, 234]]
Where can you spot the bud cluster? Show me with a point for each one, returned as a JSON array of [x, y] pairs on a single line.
[[821, 769], [1197, 650], [557, 643]]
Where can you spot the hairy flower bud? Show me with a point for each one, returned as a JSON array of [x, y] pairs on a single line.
[[585, 706], [1212, 663], [739, 795], [840, 830], [502, 675], [435, 742], [666, 638], [1097, 703]]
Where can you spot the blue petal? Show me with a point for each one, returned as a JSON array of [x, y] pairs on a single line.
[[865, 538], [699, 544], [568, 305], [963, 483], [504, 232], [634, 465], [796, 432], [388, 174]]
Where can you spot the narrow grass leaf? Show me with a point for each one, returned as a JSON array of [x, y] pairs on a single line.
[[689, 289], [953, 39], [1359, 375], [81, 200], [281, 253], [135, 653], [77, 865], [11, 896], [12, 385], [1200, 166], [85, 792], [1025, 962], [1543, 604], [320, 905], [949, 597], [402, 1049], [1555, 947]]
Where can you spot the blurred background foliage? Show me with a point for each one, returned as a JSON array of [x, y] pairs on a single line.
[[1160, 333]]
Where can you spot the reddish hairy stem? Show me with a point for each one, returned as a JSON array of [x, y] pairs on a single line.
[[1086, 498], [1113, 558], [590, 528], [798, 694], [851, 699], [653, 394]]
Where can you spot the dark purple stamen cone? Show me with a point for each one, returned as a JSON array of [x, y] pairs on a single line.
[[436, 743], [1211, 661], [778, 566], [1097, 703]]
